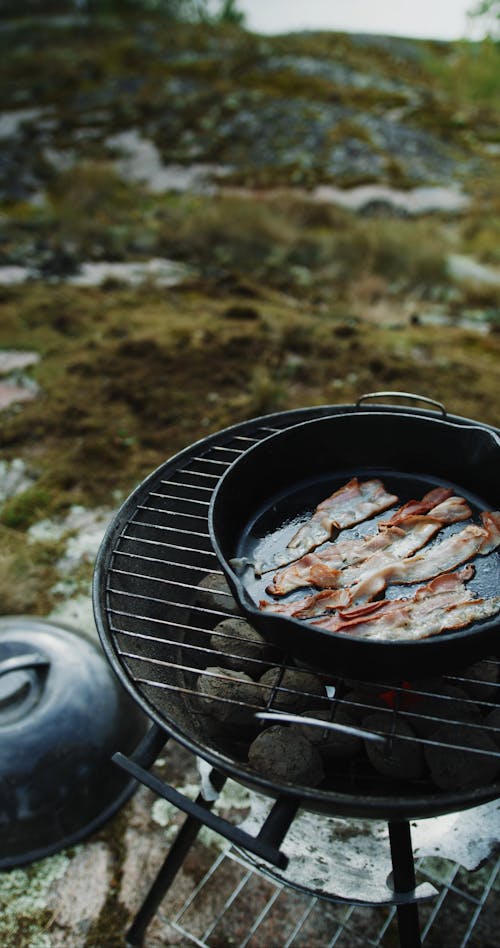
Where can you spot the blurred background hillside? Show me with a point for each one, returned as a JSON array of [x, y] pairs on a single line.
[[201, 224]]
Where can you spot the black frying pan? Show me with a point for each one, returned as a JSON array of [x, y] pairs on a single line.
[[278, 483]]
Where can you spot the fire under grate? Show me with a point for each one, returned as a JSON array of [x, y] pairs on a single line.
[[216, 914]]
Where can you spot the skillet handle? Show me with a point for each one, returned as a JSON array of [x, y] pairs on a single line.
[[430, 401], [419, 398]]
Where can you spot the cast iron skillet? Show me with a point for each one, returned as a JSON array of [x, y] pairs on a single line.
[[264, 495]]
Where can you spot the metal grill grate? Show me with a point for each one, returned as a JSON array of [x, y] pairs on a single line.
[[216, 913], [161, 628]]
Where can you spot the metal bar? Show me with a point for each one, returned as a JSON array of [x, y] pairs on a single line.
[[174, 513], [438, 904], [234, 895], [262, 845], [262, 916], [278, 821], [151, 619], [159, 579], [210, 674], [403, 875], [316, 722], [150, 746], [198, 888], [172, 546], [162, 602], [300, 923], [171, 865], [186, 500], [214, 460], [138, 523], [486, 891], [343, 926], [184, 486], [412, 692], [192, 473], [386, 924]]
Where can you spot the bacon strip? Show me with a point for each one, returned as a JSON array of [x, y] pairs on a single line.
[[369, 579], [491, 523], [443, 604], [351, 504], [451, 510], [440, 558], [328, 600], [351, 573], [446, 583], [428, 501], [313, 605], [413, 532], [443, 556]]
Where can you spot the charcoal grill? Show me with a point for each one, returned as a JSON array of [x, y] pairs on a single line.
[[156, 625]]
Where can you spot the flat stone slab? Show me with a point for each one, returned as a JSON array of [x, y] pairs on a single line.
[[14, 478], [466, 270], [422, 200], [141, 163], [12, 360], [162, 272], [11, 393], [77, 899]]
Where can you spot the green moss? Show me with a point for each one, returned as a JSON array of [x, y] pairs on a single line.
[[27, 573], [470, 74], [22, 511], [110, 926], [24, 918]]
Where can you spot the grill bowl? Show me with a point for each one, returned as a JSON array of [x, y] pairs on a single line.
[[282, 478], [155, 553]]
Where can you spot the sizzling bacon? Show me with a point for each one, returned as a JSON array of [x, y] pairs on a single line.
[[314, 605], [351, 504], [314, 569], [443, 604], [451, 510], [442, 557], [328, 600], [491, 523], [352, 573], [360, 584], [413, 532], [428, 501], [446, 583]]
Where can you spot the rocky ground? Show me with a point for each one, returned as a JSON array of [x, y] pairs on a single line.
[[200, 225]]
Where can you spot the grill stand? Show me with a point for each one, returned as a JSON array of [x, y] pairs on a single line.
[[146, 587], [265, 845], [403, 869]]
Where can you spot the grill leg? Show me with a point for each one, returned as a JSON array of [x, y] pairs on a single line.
[[403, 869], [168, 871]]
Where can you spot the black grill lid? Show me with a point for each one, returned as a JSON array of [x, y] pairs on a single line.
[[62, 716]]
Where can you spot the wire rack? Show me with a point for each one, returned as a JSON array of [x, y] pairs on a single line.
[[216, 913]]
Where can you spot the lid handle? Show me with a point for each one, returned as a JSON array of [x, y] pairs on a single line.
[[21, 662]]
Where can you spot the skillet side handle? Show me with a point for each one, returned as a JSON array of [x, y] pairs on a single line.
[[420, 398]]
